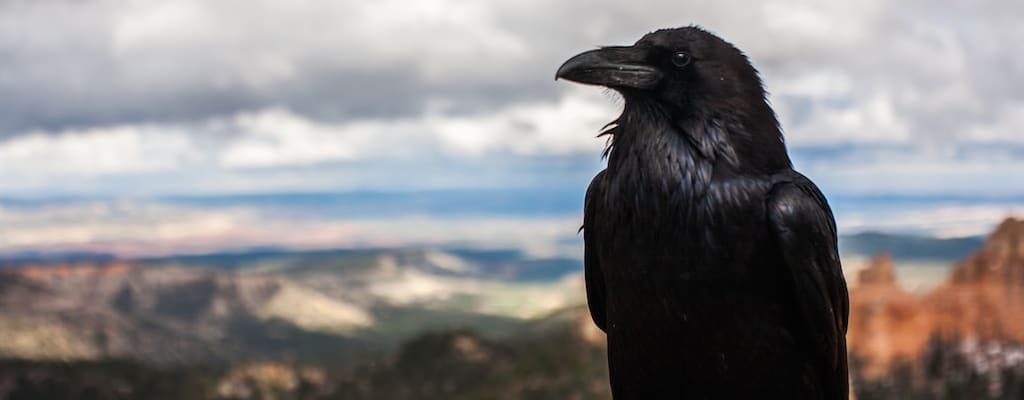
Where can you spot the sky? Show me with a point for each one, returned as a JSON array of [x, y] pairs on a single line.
[[141, 99]]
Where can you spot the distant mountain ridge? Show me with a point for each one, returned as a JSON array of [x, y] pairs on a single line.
[[36, 257], [509, 264], [536, 201], [346, 297], [517, 200], [219, 308], [903, 247]]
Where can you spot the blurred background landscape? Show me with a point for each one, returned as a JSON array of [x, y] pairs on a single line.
[[302, 200]]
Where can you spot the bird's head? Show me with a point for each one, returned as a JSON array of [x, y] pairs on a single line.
[[682, 68], [691, 76]]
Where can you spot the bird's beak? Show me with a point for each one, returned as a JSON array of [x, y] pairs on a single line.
[[613, 67]]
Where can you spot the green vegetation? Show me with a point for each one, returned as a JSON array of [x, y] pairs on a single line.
[[459, 365], [102, 380], [448, 365], [949, 371]]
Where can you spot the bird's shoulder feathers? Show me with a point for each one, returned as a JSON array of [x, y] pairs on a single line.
[[803, 225]]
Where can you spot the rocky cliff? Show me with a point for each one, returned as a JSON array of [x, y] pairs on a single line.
[[981, 302]]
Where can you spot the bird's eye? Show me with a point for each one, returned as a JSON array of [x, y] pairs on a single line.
[[681, 59]]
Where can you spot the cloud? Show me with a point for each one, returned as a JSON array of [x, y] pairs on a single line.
[[104, 95], [950, 220], [126, 149], [277, 137], [72, 64], [943, 170], [138, 228], [135, 228], [107, 62]]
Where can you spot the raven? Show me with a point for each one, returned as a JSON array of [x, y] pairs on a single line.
[[709, 262]]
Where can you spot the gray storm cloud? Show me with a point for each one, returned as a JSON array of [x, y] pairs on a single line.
[[186, 86]]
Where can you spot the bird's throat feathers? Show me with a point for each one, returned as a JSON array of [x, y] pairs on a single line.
[[722, 140]]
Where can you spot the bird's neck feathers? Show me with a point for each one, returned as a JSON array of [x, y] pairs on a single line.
[[746, 138]]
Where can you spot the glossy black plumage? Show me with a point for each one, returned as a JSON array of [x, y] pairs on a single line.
[[710, 263]]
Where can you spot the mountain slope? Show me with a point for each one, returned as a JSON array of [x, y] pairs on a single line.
[[162, 314]]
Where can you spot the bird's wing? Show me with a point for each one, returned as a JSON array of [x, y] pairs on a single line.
[[806, 234], [591, 267]]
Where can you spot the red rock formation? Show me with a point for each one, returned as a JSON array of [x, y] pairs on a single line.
[[885, 320], [1000, 260], [878, 272], [983, 299], [45, 272]]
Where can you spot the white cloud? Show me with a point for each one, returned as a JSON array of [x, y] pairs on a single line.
[[1005, 126], [109, 150], [933, 170], [820, 85], [135, 228], [803, 26], [140, 228], [194, 88], [565, 127], [874, 121], [941, 221], [162, 25], [277, 137]]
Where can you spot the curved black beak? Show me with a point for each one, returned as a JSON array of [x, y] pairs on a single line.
[[613, 67]]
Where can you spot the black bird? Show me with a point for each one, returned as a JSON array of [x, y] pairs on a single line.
[[710, 263]]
